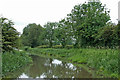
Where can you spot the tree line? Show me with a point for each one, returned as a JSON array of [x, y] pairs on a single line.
[[88, 24]]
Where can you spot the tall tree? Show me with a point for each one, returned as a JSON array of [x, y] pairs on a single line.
[[9, 35], [86, 20], [49, 29], [31, 34], [0, 49], [118, 33], [62, 33]]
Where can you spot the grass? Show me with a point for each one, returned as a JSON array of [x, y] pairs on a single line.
[[103, 61], [12, 61]]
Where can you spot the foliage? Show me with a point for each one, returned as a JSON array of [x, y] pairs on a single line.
[[43, 46], [69, 46], [9, 34], [49, 32], [32, 35], [107, 36], [57, 46], [86, 19], [14, 60], [62, 33], [88, 25], [104, 61], [118, 33], [25, 48]]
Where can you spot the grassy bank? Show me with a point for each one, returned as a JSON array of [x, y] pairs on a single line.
[[12, 61], [103, 61]]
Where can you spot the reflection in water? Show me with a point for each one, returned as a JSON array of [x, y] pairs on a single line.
[[23, 76], [50, 68], [71, 66], [42, 76], [55, 61]]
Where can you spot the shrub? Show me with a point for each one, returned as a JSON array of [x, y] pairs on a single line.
[[57, 46], [26, 48], [14, 60], [69, 46], [43, 46]]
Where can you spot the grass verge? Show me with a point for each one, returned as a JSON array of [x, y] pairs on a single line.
[[12, 61], [103, 61]]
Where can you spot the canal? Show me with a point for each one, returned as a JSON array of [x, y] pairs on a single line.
[[49, 68]]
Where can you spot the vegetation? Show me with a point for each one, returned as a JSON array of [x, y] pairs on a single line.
[[104, 61], [88, 24], [11, 58], [86, 19], [118, 33], [9, 35], [32, 35], [85, 36], [11, 61], [63, 34], [49, 32]]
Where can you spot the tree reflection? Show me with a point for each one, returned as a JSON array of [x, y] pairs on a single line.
[[49, 68]]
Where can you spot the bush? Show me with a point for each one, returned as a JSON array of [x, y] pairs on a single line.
[[69, 46], [14, 60], [43, 46], [26, 48], [57, 46]]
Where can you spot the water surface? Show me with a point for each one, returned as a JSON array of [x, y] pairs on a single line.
[[50, 68]]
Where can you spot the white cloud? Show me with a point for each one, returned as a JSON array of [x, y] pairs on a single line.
[[23, 12]]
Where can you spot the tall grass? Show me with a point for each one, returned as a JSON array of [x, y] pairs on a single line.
[[14, 60], [104, 61]]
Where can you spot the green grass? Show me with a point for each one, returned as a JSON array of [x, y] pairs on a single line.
[[14, 60], [103, 61]]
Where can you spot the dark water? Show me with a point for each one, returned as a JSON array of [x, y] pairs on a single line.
[[50, 68]]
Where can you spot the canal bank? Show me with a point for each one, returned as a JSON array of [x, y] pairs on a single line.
[[44, 67], [70, 57], [100, 62], [12, 61]]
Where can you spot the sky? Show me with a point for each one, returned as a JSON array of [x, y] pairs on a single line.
[[23, 12]]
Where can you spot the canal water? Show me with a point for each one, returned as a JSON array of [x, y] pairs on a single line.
[[49, 68]]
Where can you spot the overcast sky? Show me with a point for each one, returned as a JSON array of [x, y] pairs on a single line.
[[23, 12]]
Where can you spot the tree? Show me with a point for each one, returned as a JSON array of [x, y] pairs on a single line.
[[49, 32], [31, 35], [62, 33], [0, 35], [9, 35], [118, 33], [86, 20], [107, 36]]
